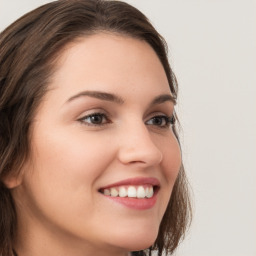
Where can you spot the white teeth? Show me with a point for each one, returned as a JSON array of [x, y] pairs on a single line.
[[150, 192], [122, 192], [106, 192], [141, 193], [114, 192], [147, 190], [130, 191]]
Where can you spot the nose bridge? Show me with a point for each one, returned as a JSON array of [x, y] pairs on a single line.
[[137, 145]]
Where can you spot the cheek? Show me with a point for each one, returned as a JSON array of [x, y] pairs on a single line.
[[62, 176], [71, 158], [63, 173], [170, 165], [171, 159]]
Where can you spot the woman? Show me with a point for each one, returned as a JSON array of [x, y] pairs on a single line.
[[90, 159]]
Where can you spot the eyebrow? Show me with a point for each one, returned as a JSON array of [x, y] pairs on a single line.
[[98, 95], [117, 99], [163, 98]]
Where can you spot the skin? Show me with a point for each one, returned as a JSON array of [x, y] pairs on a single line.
[[59, 207]]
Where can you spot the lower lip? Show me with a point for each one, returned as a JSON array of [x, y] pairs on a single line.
[[135, 203]]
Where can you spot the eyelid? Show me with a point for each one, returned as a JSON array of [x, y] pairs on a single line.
[[161, 112], [169, 120], [94, 113]]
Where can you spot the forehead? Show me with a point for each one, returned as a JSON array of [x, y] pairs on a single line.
[[109, 62]]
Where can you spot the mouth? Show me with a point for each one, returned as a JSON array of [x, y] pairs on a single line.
[[136, 193]]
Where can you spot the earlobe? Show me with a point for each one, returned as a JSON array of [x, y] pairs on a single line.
[[13, 180]]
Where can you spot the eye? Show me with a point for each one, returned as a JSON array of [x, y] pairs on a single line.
[[95, 119], [161, 121]]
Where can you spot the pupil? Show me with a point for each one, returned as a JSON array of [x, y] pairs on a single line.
[[157, 120], [96, 119]]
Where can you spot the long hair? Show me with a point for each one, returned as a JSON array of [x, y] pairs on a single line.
[[29, 49]]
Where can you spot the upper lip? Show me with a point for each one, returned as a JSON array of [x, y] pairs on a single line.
[[135, 181]]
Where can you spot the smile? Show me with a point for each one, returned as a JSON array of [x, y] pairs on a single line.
[[137, 193], [142, 191]]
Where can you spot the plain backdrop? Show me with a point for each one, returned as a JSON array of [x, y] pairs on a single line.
[[212, 49]]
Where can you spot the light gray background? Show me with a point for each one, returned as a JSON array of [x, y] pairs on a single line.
[[213, 52]]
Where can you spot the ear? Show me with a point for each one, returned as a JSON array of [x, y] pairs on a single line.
[[13, 180]]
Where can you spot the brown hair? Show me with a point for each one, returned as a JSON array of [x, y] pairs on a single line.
[[28, 49]]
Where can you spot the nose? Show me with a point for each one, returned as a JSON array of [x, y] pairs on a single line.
[[137, 146]]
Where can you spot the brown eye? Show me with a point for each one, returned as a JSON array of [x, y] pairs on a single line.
[[160, 121], [94, 119]]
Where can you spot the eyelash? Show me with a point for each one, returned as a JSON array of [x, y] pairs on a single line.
[[101, 115], [168, 121]]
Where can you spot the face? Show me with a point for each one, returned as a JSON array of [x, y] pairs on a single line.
[[104, 158]]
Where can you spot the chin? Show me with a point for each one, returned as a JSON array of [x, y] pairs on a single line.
[[138, 245], [137, 241], [141, 245]]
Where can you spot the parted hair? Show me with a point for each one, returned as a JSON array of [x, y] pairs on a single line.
[[29, 49]]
